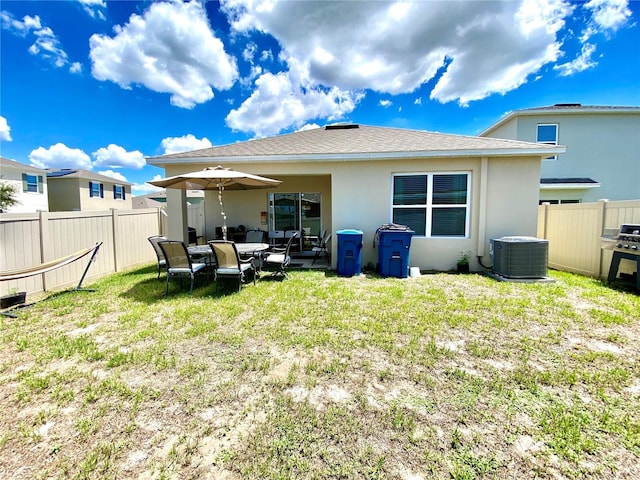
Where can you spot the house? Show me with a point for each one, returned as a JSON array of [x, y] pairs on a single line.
[[30, 183], [159, 198], [81, 190], [602, 160], [456, 192]]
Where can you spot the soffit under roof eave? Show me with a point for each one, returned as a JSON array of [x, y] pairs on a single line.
[[361, 157]]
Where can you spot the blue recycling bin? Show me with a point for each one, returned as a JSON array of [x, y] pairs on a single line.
[[349, 252], [394, 244]]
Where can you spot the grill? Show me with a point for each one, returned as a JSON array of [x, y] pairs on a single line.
[[625, 245]]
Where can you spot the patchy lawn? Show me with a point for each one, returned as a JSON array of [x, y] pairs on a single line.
[[441, 376]]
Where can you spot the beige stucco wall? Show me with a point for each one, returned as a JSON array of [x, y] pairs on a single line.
[[69, 194], [358, 195]]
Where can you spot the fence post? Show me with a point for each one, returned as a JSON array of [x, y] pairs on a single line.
[[45, 243], [600, 222], [115, 229]]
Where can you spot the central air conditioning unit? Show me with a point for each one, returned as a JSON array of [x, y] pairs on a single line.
[[519, 257]]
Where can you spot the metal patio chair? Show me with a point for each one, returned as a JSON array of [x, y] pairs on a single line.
[[229, 264], [179, 263], [279, 258]]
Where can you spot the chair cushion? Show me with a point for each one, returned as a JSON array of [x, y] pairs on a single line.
[[179, 271], [228, 271], [276, 258]]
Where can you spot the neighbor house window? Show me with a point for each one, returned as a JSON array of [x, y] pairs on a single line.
[[548, 133], [118, 192], [32, 183], [433, 204], [96, 189]]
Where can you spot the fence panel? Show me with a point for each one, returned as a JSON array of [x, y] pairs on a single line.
[[20, 247], [574, 232], [31, 239]]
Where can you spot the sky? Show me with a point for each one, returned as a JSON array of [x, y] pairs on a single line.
[[102, 85]]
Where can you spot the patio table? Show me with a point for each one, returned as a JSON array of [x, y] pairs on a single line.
[[243, 249]]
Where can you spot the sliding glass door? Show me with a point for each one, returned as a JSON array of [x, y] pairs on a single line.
[[296, 211]]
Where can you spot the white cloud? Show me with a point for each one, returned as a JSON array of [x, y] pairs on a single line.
[[5, 130], [94, 8], [385, 103], [279, 102], [115, 175], [169, 49], [115, 156], [45, 45], [186, 143], [60, 156], [308, 126], [142, 188], [482, 47], [418, 101], [76, 67], [581, 63], [608, 14]]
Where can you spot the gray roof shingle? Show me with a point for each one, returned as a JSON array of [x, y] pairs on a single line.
[[361, 140]]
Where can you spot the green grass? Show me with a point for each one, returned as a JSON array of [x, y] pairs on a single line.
[[318, 376]]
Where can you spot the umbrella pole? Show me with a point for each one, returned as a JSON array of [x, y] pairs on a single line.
[[224, 215]]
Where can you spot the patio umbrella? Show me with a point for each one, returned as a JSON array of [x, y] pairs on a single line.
[[217, 178]]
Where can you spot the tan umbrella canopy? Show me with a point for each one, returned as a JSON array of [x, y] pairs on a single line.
[[217, 178]]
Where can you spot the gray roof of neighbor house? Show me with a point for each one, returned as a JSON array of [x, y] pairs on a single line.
[[562, 109], [84, 174], [357, 142], [6, 163]]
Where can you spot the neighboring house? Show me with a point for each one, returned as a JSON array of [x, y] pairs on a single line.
[[602, 160], [456, 192], [81, 190], [30, 183], [193, 197]]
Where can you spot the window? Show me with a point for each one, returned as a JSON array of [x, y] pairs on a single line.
[[118, 192], [557, 202], [432, 205], [96, 189], [548, 133], [32, 183]]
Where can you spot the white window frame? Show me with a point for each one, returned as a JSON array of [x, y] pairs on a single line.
[[99, 186], [555, 142], [121, 195], [429, 206]]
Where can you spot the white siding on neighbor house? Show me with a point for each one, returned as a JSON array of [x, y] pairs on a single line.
[[602, 146], [28, 201]]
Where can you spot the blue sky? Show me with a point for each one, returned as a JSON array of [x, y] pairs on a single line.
[[101, 85]]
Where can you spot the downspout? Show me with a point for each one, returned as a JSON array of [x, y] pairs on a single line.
[[482, 214]]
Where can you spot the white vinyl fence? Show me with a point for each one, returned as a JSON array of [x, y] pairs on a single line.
[[574, 232], [30, 239]]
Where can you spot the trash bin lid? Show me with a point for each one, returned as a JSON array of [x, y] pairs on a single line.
[[349, 231]]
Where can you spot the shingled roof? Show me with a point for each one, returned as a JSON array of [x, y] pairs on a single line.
[[357, 142]]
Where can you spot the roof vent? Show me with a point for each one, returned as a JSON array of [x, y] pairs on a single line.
[[568, 105], [342, 126]]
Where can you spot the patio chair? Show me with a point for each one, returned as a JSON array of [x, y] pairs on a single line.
[[229, 264], [279, 258], [154, 240], [255, 236], [179, 263], [321, 248]]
